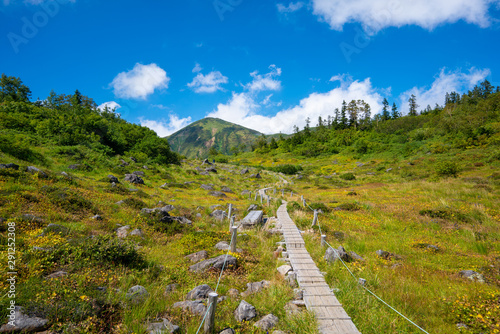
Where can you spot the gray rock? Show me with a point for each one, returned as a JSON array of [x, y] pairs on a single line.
[[245, 192], [34, 170], [211, 170], [120, 202], [253, 218], [472, 275], [255, 287], [292, 309], [24, 323], [356, 257], [55, 229], [96, 217], [170, 288], [362, 281], [291, 279], [207, 187], [227, 190], [218, 215], [137, 294], [57, 274], [145, 167], [206, 162], [204, 173], [267, 322], [31, 218], [333, 255], [433, 248], [388, 170], [163, 327], [135, 179], [217, 194], [122, 232], [244, 171], [298, 294], [139, 173], [227, 331], [233, 293], [133, 159], [283, 270], [198, 256], [200, 292], [193, 306], [222, 245], [383, 254], [256, 176], [112, 179], [215, 263], [137, 232], [9, 166], [245, 312]]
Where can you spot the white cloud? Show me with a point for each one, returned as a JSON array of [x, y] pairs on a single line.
[[445, 82], [292, 7], [165, 128], [375, 15], [209, 83], [242, 108], [140, 82], [111, 105], [266, 81], [197, 68]]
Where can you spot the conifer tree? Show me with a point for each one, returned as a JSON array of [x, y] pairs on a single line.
[[413, 105], [395, 112], [385, 110]]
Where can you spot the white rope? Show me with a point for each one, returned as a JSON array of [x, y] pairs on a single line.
[[218, 282], [355, 278]]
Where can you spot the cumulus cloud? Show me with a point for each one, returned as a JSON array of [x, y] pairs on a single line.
[[444, 82], [292, 7], [375, 15], [165, 128], [266, 81], [244, 110], [197, 68], [209, 83], [111, 105], [140, 82]]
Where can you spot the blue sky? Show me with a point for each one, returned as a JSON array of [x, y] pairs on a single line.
[[267, 65]]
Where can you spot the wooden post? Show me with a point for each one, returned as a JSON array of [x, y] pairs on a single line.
[[282, 192], [291, 194], [274, 191], [315, 219], [304, 203], [256, 194], [231, 223], [268, 200], [323, 240], [229, 211], [261, 199], [234, 235], [250, 195], [210, 320]]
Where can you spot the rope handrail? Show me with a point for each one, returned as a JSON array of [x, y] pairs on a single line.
[[364, 287], [218, 282]]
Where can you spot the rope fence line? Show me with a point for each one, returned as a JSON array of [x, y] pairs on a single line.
[[364, 287], [218, 281]]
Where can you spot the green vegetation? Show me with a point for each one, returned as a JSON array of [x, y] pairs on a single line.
[[423, 187]]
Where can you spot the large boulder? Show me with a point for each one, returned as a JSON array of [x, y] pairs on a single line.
[[472, 275], [34, 170], [193, 306], [122, 232], [137, 294], [255, 287], [9, 166], [226, 190], [332, 255], [200, 292], [135, 179], [207, 187], [217, 194], [245, 311], [284, 269], [244, 171], [162, 327], [215, 263], [218, 215], [211, 170], [267, 322], [198, 256], [22, 322]]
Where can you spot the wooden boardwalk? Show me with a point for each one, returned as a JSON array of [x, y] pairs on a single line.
[[332, 318]]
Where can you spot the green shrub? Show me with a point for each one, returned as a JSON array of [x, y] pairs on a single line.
[[287, 169], [447, 168], [293, 206], [319, 206], [348, 176]]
